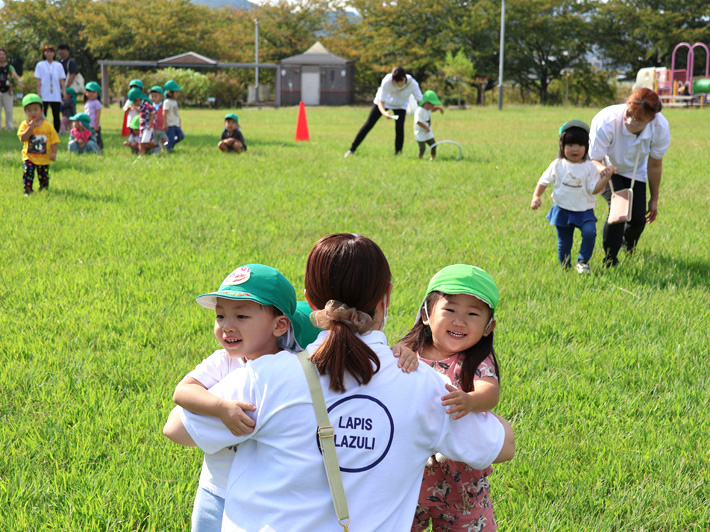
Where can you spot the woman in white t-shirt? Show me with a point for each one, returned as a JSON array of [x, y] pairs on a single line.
[[393, 95], [618, 133], [386, 423], [49, 75]]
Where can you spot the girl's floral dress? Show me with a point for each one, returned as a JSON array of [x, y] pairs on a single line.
[[455, 496]]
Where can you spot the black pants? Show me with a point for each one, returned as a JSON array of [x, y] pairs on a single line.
[[626, 234], [423, 145], [372, 120], [56, 107]]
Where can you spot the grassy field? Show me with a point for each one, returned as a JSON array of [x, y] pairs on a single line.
[[606, 378]]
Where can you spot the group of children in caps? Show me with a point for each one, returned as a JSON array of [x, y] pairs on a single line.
[[151, 123], [256, 314]]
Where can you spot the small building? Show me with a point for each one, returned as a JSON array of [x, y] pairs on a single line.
[[317, 77]]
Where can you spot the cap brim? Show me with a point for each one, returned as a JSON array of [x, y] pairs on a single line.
[[210, 300]]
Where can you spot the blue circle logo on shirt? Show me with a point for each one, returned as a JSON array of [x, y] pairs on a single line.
[[364, 430]]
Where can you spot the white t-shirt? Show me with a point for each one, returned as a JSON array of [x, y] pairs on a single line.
[[423, 116], [573, 184], [216, 466], [49, 75], [172, 118], [395, 97], [609, 138], [384, 432]]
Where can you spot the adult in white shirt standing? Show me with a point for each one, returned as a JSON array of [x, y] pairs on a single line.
[[49, 75], [617, 134], [386, 423], [391, 102]]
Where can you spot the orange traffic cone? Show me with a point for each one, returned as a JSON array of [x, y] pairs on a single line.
[[124, 130], [302, 125]]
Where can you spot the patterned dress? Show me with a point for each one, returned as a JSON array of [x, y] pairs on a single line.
[[455, 496]]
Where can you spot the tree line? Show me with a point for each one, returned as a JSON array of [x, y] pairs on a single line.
[[546, 41]]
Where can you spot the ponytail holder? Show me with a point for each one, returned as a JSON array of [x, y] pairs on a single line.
[[335, 311]]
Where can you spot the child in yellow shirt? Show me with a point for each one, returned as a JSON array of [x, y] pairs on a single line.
[[40, 141]]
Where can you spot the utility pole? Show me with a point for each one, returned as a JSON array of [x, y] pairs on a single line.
[[256, 59], [502, 47]]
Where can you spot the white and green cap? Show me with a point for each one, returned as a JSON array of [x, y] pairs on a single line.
[[465, 279]]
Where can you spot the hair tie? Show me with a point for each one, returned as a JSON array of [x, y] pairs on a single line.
[[335, 311]]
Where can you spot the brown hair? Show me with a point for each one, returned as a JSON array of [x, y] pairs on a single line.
[[643, 105], [420, 336], [47, 48], [351, 269]]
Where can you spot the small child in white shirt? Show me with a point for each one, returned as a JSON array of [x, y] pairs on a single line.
[[422, 122]]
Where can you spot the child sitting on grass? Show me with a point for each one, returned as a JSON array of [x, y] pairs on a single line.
[[133, 138], [40, 141], [422, 122], [83, 138], [232, 138]]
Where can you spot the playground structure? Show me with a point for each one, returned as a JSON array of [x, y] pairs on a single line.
[[676, 87]]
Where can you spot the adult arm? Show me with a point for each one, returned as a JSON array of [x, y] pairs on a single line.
[[175, 430], [17, 78], [655, 170]]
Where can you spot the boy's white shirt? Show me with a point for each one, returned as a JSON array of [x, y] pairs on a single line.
[[215, 466], [170, 110], [378, 428], [573, 184], [423, 116]]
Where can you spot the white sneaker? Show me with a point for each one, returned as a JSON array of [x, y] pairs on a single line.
[[348, 154], [583, 267]]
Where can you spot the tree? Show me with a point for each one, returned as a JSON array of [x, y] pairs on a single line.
[[459, 69]]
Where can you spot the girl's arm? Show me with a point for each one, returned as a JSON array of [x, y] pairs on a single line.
[[483, 398], [176, 431], [192, 395], [31, 125], [423, 125], [53, 152], [408, 360], [98, 118], [536, 201], [606, 174]]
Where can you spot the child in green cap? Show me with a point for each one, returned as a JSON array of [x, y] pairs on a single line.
[[171, 116], [146, 112], [83, 137], [232, 138], [39, 143], [68, 109], [161, 138], [575, 180], [453, 333], [92, 106], [422, 122], [133, 139]]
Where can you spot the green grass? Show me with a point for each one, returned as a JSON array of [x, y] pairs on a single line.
[[605, 378]]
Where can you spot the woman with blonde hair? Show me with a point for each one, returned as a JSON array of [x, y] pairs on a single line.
[[619, 133]]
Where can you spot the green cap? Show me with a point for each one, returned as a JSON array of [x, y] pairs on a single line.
[[136, 83], [572, 123], [255, 282], [232, 116], [31, 98], [93, 86], [137, 94], [306, 333], [157, 88], [171, 85], [430, 97], [135, 122], [70, 90], [84, 118], [465, 279]]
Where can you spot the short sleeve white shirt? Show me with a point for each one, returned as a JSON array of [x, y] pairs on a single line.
[[573, 184], [49, 75], [423, 116], [215, 466], [394, 97], [384, 432], [609, 138], [170, 110]]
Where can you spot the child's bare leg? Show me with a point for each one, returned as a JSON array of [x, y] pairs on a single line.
[[222, 145]]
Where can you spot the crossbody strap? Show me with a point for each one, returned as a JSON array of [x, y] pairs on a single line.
[[326, 437], [636, 165]]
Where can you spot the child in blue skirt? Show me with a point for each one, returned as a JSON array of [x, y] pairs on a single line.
[[575, 180]]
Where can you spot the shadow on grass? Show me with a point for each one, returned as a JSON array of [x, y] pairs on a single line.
[[69, 193], [661, 270]]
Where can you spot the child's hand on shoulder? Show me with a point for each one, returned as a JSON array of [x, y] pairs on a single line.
[[408, 360], [235, 419], [458, 402]]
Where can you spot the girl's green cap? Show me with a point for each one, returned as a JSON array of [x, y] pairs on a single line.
[[255, 282], [84, 118], [136, 83], [171, 85], [93, 86], [572, 123], [70, 90], [137, 94], [430, 97], [135, 122], [304, 330], [158, 89], [465, 279], [232, 116], [31, 98]]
